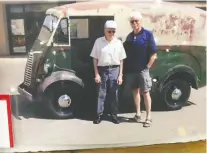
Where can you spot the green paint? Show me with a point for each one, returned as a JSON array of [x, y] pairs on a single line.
[[192, 57], [62, 59]]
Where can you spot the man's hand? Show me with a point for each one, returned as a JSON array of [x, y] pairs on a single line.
[[152, 59], [120, 80], [97, 78]]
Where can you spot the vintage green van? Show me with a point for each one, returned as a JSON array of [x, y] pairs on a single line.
[[59, 70]]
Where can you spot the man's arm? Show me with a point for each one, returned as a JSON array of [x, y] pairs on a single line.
[[122, 57], [152, 60], [94, 55], [152, 50], [121, 68], [95, 66]]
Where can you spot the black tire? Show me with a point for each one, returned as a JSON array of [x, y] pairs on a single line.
[[167, 91], [53, 93]]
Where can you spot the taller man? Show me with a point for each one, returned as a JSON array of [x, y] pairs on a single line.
[[108, 54], [141, 52]]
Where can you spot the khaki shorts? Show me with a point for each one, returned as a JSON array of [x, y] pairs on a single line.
[[140, 80]]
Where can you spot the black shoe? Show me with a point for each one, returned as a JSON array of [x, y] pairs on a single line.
[[115, 119], [97, 120]]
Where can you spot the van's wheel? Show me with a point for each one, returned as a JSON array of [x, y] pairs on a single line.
[[62, 99], [175, 94]]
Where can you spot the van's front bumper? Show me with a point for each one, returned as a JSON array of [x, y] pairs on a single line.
[[24, 93]]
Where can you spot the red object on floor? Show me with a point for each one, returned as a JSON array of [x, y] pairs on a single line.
[[5, 98]]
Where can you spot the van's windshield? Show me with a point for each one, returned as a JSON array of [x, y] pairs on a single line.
[[46, 31]]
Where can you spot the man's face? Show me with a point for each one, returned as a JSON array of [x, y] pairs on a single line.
[[109, 33], [135, 23]]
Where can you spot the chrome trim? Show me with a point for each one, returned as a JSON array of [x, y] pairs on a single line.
[[25, 93], [28, 70]]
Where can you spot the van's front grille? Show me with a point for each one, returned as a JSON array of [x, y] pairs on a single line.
[[28, 70]]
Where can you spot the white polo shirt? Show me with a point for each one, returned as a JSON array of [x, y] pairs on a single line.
[[108, 53]]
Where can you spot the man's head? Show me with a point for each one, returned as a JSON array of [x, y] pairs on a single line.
[[110, 29], [135, 19]]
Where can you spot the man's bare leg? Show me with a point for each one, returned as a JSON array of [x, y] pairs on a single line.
[[137, 100], [148, 103]]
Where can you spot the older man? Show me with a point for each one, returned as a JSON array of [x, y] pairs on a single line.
[[108, 54], [141, 53]]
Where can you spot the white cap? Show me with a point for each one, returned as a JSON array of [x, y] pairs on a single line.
[[135, 15], [110, 24]]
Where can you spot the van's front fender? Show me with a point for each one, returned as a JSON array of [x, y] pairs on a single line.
[[57, 77]]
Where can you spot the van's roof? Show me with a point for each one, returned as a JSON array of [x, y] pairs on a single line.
[[93, 7]]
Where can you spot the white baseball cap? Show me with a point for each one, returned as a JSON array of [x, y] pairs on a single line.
[[110, 24], [135, 15]]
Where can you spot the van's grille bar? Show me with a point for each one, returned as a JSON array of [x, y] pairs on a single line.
[[28, 70]]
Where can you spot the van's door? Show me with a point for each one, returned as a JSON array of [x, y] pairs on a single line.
[[81, 46], [96, 30], [60, 54]]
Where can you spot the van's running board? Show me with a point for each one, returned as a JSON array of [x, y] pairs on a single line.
[[25, 93]]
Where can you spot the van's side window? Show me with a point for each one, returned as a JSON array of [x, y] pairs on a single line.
[[61, 36], [79, 28]]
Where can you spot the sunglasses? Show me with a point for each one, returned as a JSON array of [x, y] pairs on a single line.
[[111, 31], [132, 21]]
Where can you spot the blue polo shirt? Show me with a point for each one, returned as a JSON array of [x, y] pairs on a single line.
[[139, 49]]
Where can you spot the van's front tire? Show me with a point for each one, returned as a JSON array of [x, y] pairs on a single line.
[[62, 99], [175, 94]]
